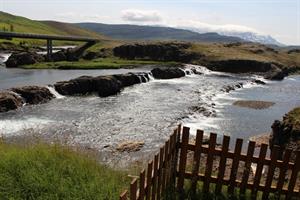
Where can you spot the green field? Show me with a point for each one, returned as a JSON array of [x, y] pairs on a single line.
[[44, 171]]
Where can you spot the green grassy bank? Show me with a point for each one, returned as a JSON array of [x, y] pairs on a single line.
[[54, 172]]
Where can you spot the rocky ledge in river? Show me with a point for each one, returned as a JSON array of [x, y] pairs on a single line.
[[272, 71], [16, 97], [112, 84]]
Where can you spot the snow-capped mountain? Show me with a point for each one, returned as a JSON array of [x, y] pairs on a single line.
[[254, 37]]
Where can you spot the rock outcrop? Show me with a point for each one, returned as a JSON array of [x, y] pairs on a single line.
[[171, 51], [167, 73], [9, 101], [25, 58], [34, 94], [286, 133]]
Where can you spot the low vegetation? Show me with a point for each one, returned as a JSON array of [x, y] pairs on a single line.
[[54, 172], [100, 63]]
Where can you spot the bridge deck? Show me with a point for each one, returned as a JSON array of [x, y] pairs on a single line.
[[46, 37]]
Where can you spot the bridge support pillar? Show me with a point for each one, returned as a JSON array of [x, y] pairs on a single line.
[[49, 49]]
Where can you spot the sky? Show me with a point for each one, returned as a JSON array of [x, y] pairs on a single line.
[[278, 18]]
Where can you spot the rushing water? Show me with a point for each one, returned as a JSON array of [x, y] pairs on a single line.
[[145, 112]]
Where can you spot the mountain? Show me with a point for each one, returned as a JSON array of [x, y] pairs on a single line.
[[25, 25], [254, 37], [137, 32]]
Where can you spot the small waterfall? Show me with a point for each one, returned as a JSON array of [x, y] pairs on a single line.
[[145, 77], [140, 78], [18, 95], [55, 93], [150, 75]]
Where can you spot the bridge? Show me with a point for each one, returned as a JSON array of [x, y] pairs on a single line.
[[49, 38]]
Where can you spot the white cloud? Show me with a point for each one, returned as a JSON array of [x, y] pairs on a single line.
[[205, 27], [141, 15]]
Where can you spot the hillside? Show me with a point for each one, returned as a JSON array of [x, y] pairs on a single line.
[[25, 25], [135, 32]]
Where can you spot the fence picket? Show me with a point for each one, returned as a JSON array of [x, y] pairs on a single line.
[[209, 161], [183, 157], [149, 180], [271, 169], [123, 196], [161, 160], [250, 152], [283, 170], [259, 169], [196, 161], [294, 176], [142, 185], [222, 164], [133, 189], [235, 165], [154, 188], [165, 166]]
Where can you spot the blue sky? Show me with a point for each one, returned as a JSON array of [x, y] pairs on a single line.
[[279, 18]]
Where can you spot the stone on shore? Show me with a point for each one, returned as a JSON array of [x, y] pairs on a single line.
[[130, 146]]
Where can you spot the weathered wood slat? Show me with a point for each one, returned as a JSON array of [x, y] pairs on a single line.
[[133, 189], [235, 165], [283, 170], [250, 152], [294, 176], [196, 161], [259, 169], [183, 157], [154, 188], [123, 196], [165, 169], [142, 185], [222, 164], [209, 161], [149, 180], [271, 169], [161, 160]]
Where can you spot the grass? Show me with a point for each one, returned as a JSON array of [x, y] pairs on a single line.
[[101, 63], [44, 171]]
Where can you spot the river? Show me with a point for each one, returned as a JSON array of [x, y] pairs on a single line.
[[145, 112]]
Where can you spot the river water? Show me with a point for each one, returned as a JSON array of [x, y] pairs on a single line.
[[145, 112]]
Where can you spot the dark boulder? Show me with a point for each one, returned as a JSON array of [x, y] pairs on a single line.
[[167, 73], [90, 55], [34, 94], [10, 101], [276, 74], [107, 85], [127, 79], [259, 82], [81, 85], [25, 58], [58, 56]]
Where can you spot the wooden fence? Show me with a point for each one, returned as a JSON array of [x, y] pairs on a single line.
[[217, 168]]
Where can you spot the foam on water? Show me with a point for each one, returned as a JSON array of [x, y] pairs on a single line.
[[54, 92]]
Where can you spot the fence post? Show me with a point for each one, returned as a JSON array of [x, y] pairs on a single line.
[[182, 159], [283, 170], [154, 188], [196, 162], [161, 160], [209, 161], [142, 185], [250, 152], [133, 189], [235, 165], [149, 180], [294, 176], [222, 164]]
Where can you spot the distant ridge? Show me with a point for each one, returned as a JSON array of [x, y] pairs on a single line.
[[137, 32]]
